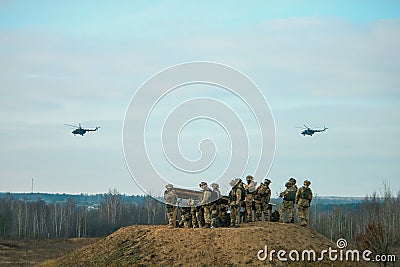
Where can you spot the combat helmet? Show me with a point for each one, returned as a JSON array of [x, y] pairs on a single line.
[[235, 181], [307, 182], [267, 181], [169, 186], [292, 180], [249, 178], [202, 183], [288, 184], [214, 185]]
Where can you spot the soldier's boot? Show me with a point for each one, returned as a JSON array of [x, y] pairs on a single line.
[[258, 217], [207, 225], [303, 222], [233, 225], [248, 218]]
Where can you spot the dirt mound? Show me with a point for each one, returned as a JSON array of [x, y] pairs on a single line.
[[162, 246]]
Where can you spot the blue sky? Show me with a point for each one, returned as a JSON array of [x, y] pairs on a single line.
[[320, 63]]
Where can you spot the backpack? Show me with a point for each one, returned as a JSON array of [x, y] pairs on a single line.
[[306, 192], [275, 216], [290, 196], [232, 193]]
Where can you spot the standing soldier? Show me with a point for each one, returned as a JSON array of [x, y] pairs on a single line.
[[293, 181], [215, 205], [200, 215], [170, 198], [205, 203], [236, 196], [193, 213], [289, 196], [262, 198], [303, 200], [250, 189]]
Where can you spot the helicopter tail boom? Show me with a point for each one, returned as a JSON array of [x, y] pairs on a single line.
[[92, 130]]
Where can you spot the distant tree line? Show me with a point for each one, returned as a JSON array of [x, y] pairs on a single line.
[[23, 219], [372, 224]]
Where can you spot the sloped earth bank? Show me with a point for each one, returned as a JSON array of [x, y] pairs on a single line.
[[32, 252], [162, 246]]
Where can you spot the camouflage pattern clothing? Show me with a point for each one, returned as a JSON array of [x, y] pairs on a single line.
[[289, 196], [215, 205], [186, 218], [303, 200], [200, 216], [205, 203], [193, 213], [250, 189], [262, 198], [224, 219], [170, 199], [235, 201]]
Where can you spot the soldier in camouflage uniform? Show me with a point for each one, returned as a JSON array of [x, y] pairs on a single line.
[[215, 205], [186, 216], [205, 203], [170, 198], [235, 201], [193, 213], [250, 189], [289, 196], [262, 198], [200, 216], [303, 200], [293, 181]]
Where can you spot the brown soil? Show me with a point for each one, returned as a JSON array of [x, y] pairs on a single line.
[[162, 246], [30, 253]]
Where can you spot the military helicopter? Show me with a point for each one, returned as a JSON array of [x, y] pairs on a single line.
[[80, 130], [309, 131]]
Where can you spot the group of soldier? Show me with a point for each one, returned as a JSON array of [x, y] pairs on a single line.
[[214, 210]]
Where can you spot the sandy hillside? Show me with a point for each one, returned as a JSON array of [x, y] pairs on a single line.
[[161, 246]]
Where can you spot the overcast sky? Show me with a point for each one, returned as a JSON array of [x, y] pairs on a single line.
[[319, 63]]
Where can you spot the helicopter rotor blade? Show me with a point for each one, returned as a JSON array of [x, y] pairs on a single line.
[[71, 125]]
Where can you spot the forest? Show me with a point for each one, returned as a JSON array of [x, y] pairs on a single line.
[[33, 219], [372, 222]]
